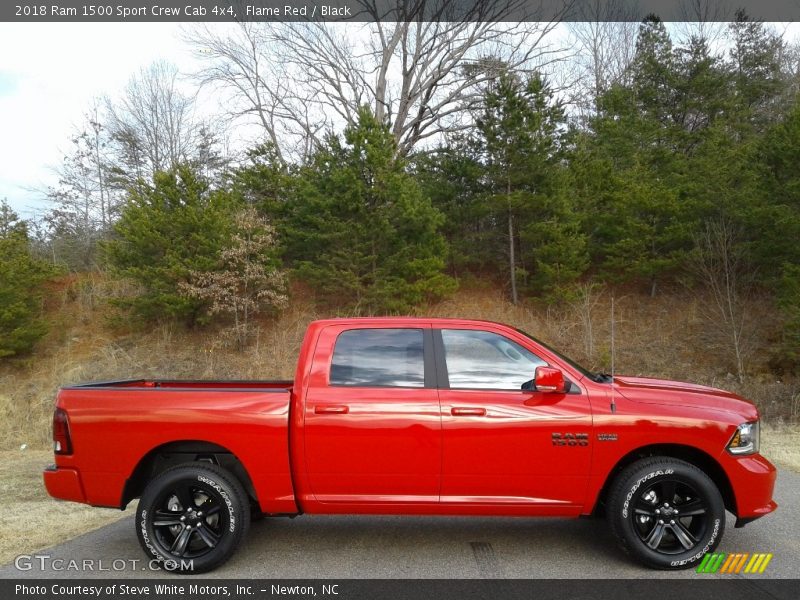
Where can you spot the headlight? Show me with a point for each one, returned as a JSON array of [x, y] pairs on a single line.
[[745, 440]]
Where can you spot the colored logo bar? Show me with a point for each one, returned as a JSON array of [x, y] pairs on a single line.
[[738, 562]]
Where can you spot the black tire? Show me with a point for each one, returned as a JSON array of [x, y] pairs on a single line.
[[665, 513], [255, 513], [175, 531]]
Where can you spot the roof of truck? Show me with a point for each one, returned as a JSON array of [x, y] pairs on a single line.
[[409, 320]]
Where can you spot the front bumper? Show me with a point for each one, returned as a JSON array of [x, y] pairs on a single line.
[[753, 481], [64, 484]]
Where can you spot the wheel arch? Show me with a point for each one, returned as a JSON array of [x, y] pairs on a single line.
[[702, 460], [173, 453]]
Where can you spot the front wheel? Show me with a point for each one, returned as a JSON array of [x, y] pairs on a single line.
[[666, 513], [191, 518]]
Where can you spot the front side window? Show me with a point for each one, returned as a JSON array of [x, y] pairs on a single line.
[[379, 357], [485, 360]]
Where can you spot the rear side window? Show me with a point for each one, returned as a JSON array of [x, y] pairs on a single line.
[[379, 357]]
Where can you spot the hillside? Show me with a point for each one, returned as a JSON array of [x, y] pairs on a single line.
[[665, 336]]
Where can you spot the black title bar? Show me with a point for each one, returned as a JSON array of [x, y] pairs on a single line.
[[154, 11], [186, 588]]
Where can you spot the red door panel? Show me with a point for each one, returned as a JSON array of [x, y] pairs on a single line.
[[504, 452], [498, 443], [370, 444], [385, 447]]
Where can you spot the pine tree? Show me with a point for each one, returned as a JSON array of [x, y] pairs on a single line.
[[452, 177], [519, 134], [21, 279], [786, 355], [264, 181], [167, 230], [780, 155], [703, 91], [775, 224], [358, 228], [632, 167], [755, 58], [653, 70]]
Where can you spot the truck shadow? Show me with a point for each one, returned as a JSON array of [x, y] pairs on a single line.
[[403, 546]]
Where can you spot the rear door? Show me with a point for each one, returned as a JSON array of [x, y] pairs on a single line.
[[503, 444], [372, 419]]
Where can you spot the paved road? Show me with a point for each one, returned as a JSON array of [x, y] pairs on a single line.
[[435, 547]]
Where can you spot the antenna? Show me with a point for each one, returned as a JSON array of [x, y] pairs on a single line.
[[613, 404]]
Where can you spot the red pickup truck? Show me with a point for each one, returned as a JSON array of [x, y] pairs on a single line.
[[414, 416]]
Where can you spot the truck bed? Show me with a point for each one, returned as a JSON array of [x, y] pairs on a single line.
[[117, 425], [277, 385]]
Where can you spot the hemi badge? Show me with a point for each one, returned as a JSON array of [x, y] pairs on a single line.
[[607, 437]]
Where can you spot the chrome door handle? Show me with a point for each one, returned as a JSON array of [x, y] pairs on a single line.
[[467, 411], [331, 409]]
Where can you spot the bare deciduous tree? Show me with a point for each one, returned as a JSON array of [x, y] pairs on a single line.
[[85, 200], [248, 280], [584, 305], [720, 264], [702, 19], [118, 145], [300, 80], [239, 62], [604, 46], [154, 127], [790, 66]]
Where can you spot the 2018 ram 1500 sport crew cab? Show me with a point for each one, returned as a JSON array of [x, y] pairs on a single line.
[[414, 416]]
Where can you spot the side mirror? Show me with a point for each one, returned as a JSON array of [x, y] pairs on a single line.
[[549, 380]]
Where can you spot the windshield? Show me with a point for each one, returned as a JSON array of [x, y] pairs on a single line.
[[598, 377]]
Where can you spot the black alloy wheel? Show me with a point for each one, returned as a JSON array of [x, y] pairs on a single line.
[[192, 517], [670, 516], [666, 512]]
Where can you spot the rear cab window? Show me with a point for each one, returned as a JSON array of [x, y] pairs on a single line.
[[379, 358]]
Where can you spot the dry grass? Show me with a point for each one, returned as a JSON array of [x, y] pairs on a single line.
[[80, 348], [781, 444], [32, 520]]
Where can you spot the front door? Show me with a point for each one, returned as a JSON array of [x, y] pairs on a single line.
[[372, 419], [502, 444]]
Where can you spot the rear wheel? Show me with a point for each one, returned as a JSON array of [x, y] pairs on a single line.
[[192, 517], [666, 513]]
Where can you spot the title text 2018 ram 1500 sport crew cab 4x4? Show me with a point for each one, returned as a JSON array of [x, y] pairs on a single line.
[[414, 416]]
